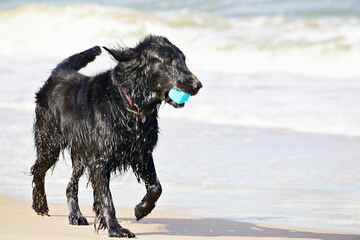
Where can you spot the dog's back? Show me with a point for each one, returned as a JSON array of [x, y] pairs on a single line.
[[62, 104], [65, 81]]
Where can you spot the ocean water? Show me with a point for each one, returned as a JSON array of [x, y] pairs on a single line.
[[276, 127], [282, 64]]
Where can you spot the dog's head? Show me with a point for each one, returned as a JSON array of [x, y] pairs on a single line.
[[161, 65]]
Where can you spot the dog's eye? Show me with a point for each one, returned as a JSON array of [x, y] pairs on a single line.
[[169, 60]]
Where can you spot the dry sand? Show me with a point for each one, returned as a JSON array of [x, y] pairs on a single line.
[[19, 221]]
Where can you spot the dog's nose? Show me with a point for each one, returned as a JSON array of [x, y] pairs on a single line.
[[196, 83]]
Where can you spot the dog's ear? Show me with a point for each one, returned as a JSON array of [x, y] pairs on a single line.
[[122, 55]]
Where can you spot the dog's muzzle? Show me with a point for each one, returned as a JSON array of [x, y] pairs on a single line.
[[196, 85]]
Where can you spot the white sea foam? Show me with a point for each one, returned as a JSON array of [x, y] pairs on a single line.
[[299, 73], [325, 46]]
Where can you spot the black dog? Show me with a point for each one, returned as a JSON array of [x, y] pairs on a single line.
[[108, 122]]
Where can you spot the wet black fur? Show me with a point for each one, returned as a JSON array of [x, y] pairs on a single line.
[[108, 122]]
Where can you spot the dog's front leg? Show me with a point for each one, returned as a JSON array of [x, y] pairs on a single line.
[[153, 187], [103, 204]]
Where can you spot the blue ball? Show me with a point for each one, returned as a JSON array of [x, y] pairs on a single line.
[[178, 96]]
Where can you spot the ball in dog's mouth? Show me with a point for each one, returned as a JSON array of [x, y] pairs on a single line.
[[178, 96], [172, 102]]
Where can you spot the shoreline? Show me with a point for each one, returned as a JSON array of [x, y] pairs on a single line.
[[273, 178], [20, 221]]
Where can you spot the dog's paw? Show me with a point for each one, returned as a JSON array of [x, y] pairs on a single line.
[[77, 220], [120, 232], [40, 205], [41, 210], [142, 210]]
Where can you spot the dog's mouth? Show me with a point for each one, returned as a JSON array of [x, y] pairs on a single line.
[[171, 102], [191, 88]]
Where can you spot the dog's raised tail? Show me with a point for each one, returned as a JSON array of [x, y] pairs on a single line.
[[79, 60]]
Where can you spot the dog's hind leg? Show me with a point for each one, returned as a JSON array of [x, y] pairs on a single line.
[[75, 215], [153, 187], [48, 149]]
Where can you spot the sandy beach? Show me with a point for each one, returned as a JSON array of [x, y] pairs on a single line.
[[268, 149], [19, 221]]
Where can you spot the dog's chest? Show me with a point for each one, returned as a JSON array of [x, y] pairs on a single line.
[[139, 137]]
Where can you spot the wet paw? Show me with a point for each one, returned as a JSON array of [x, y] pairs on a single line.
[[121, 232], [77, 220], [142, 210], [42, 211], [40, 205]]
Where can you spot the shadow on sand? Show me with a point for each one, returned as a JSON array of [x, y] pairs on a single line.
[[209, 227], [212, 227]]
